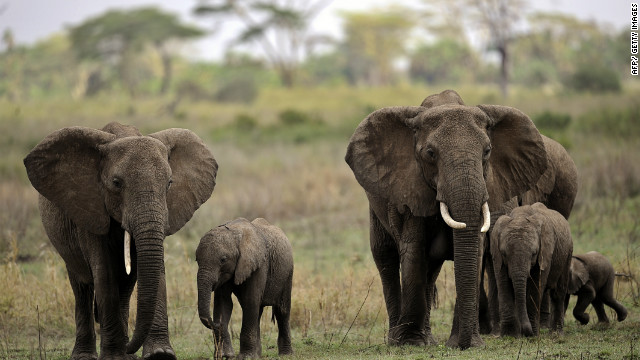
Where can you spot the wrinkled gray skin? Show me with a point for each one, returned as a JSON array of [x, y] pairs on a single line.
[[94, 185], [592, 280], [411, 159], [531, 250], [254, 261], [557, 189]]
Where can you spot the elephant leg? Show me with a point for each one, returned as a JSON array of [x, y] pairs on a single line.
[[410, 327], [282, 313], [545, 311], [610, 300], [535, 294], [222, 308], [157, 345], [484, 320], [432, 276], [126, 289], [557, 304], [598, 305], [250, 331], [385, 255], [113, 336], [509, 325], [585, 296], [493, 301], [85, 346]]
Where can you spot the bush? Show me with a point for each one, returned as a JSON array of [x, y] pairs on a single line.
[[294, 117], [613, 122], [245, 122], [594, 79], [238, 90], [552, 121]]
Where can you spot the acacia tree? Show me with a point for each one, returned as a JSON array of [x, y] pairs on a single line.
[[499, 19], [116, 37], [373, 40], [280, 28]]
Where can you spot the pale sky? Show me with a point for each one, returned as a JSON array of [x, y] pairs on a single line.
[[33, 20]]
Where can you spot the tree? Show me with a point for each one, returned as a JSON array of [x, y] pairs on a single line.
[[373, 40], [498, 18], [116, 37], [280, 28], [446, 61]]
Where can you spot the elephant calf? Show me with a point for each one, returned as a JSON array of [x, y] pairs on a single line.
[[592, 280], [531, 250], [254, 261]]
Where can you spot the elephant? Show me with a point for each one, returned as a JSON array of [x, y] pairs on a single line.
[[557, 189], [592, 279], [254, 261], [108, 198], [421, 167], [531, 250]]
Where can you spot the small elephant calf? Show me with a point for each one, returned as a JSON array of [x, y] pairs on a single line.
[[592, 280], [254, 261]]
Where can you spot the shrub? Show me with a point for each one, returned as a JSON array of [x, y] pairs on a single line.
[[245, 122], [552, 120], [613, 122], [294, 117], [595, 79], [238, 90]]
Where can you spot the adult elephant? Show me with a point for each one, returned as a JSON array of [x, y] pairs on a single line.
[[108, 198], [422, 167]]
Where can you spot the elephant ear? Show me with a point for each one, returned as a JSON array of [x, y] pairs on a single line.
[[64, 168], [518, 156], [381, 156], [447, 97], [495, 238], [579, 275], [253, 253], [194, 171]]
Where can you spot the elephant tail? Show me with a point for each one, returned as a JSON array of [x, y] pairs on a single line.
[[273, 316]]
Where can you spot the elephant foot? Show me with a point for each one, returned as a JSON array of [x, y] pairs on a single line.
[[582, 318], [622, 314], [158, 351], [118, 357], [251, 355], [403, 335], [454, 341], [84, 356]]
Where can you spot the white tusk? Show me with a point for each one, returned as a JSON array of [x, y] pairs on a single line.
[[486, 215], [127, 252], [447, 218]]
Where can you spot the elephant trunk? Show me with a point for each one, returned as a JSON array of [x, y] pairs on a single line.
[[148, 235], [466, 253], [519, 279], [204, 299]]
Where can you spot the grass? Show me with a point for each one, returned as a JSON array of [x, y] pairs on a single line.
[[293, 174]]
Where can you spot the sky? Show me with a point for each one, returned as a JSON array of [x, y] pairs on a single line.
[[34, 20]]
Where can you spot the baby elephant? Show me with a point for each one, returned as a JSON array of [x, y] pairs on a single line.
[[254, 261], [592, 279], [531, 250]]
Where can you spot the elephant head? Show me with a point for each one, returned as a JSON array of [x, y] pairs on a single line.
[[448, 158], [146, 186], [523, 242], [579, 275], [231, 251]]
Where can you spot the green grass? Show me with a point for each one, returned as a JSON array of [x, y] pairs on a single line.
[[293, 173]]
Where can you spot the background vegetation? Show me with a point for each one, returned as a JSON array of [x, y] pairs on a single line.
[[280, 145]]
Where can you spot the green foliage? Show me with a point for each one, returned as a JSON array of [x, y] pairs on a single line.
[[290, 117], [552, 120], [242, 89], [245, 122], [623, 122], [594, 78], [447, 61]]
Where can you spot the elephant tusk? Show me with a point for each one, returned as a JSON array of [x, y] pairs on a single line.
[[486, 215], [447, 218], [127, 252]]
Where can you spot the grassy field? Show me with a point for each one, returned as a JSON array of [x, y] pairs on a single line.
[[281, 158]]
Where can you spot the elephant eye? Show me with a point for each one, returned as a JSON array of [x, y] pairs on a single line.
[[169, 184], [487, 152], [117, 183], [431, 154], [223, 260]]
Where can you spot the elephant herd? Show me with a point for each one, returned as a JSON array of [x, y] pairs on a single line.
[[478, 185]]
